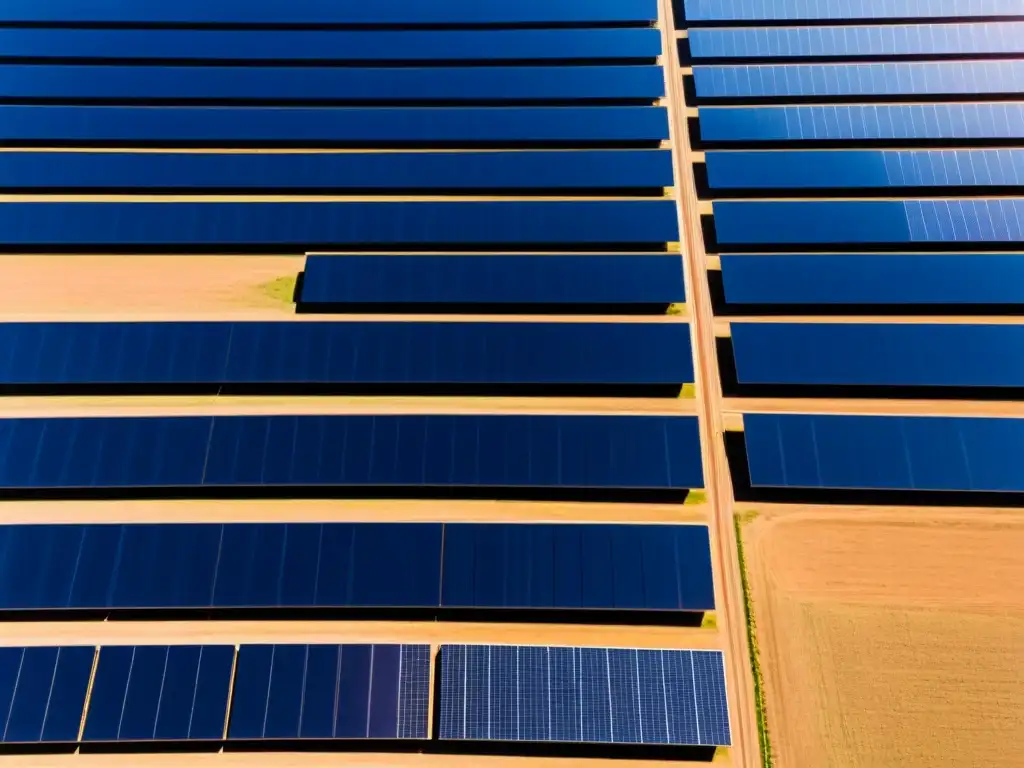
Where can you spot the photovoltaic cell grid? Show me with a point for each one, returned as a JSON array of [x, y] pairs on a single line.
[[590, 695], [42, 693], [772, 10]]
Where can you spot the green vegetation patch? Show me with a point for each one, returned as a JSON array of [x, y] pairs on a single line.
[[280, 289]]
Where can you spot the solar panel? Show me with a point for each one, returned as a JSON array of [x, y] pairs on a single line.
[[891, 279], [347, 171], [331, 692], [633, 567], [879, 354], [323, 225], [114, 83], [419, 451], [594, 695], [266, 354], [857, 41], [757, 10], [832, 80], [885, 452], [42, 692], [160, 693], [216, 126], [329, 45], [366, 281], [269, 12], [876, 221], [892, 123], [865, 169]]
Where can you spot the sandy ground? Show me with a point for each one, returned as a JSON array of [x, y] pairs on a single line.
[[890, 637], [1006, 408]]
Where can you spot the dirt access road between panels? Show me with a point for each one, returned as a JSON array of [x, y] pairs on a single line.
[[890, 637]]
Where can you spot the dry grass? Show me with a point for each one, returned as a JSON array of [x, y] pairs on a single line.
[[891, 638]]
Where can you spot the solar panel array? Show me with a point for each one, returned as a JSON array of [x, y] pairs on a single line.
[[862, 160]]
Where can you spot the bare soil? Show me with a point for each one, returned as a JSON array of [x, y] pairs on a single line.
[[890, 637]]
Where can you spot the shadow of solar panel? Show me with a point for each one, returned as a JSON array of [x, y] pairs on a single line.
[[414, 451], [525, 171], [326, 225], [613, 283], [329, 45], [267, 12], [321, 692], [890, 123], [885, 452], [879, 354], [584, 695], [346, 357], [893, 280], [595, 567], [793, 10], [160, 693], [42, 693], [329, 126], [264, 84]]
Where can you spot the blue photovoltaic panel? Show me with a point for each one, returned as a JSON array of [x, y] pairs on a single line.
[[331, 692], [217, 126], [219, 224], [505, 279], [875, 221], [889, 78], [579, 169], [885, 452], [589, 695], [188, 566], [939, 278], [658, 452], [766, 10], [878, 354], [851, 41], [641, 567], [859, 122], [330, 45], [160, 692], [318, 84], [867, 169], [266, 353], [42, 692], [272, 12]]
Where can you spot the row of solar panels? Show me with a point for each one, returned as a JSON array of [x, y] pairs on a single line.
[[885, 452], [796, 10], [255, 693], [544, 282], [341, 355], [203, 173], [266, 566]]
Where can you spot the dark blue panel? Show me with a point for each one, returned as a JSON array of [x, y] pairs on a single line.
[[885, 452], [533, 566], [793, 10], [145, 693], [876, 221], [270, 12], [330, 125], [327, 224], [975, 278], [319, 84], [595, 695], [901, 40], [877, 354], [42, 693], [857, 122], [913, 78], [506, 279], [865, 169], [578, 169], [330, 45]]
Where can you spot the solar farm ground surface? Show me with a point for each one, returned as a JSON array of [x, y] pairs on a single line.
[[890, 636]]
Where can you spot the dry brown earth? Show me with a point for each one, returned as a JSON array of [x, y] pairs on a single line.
[[891, 637]]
